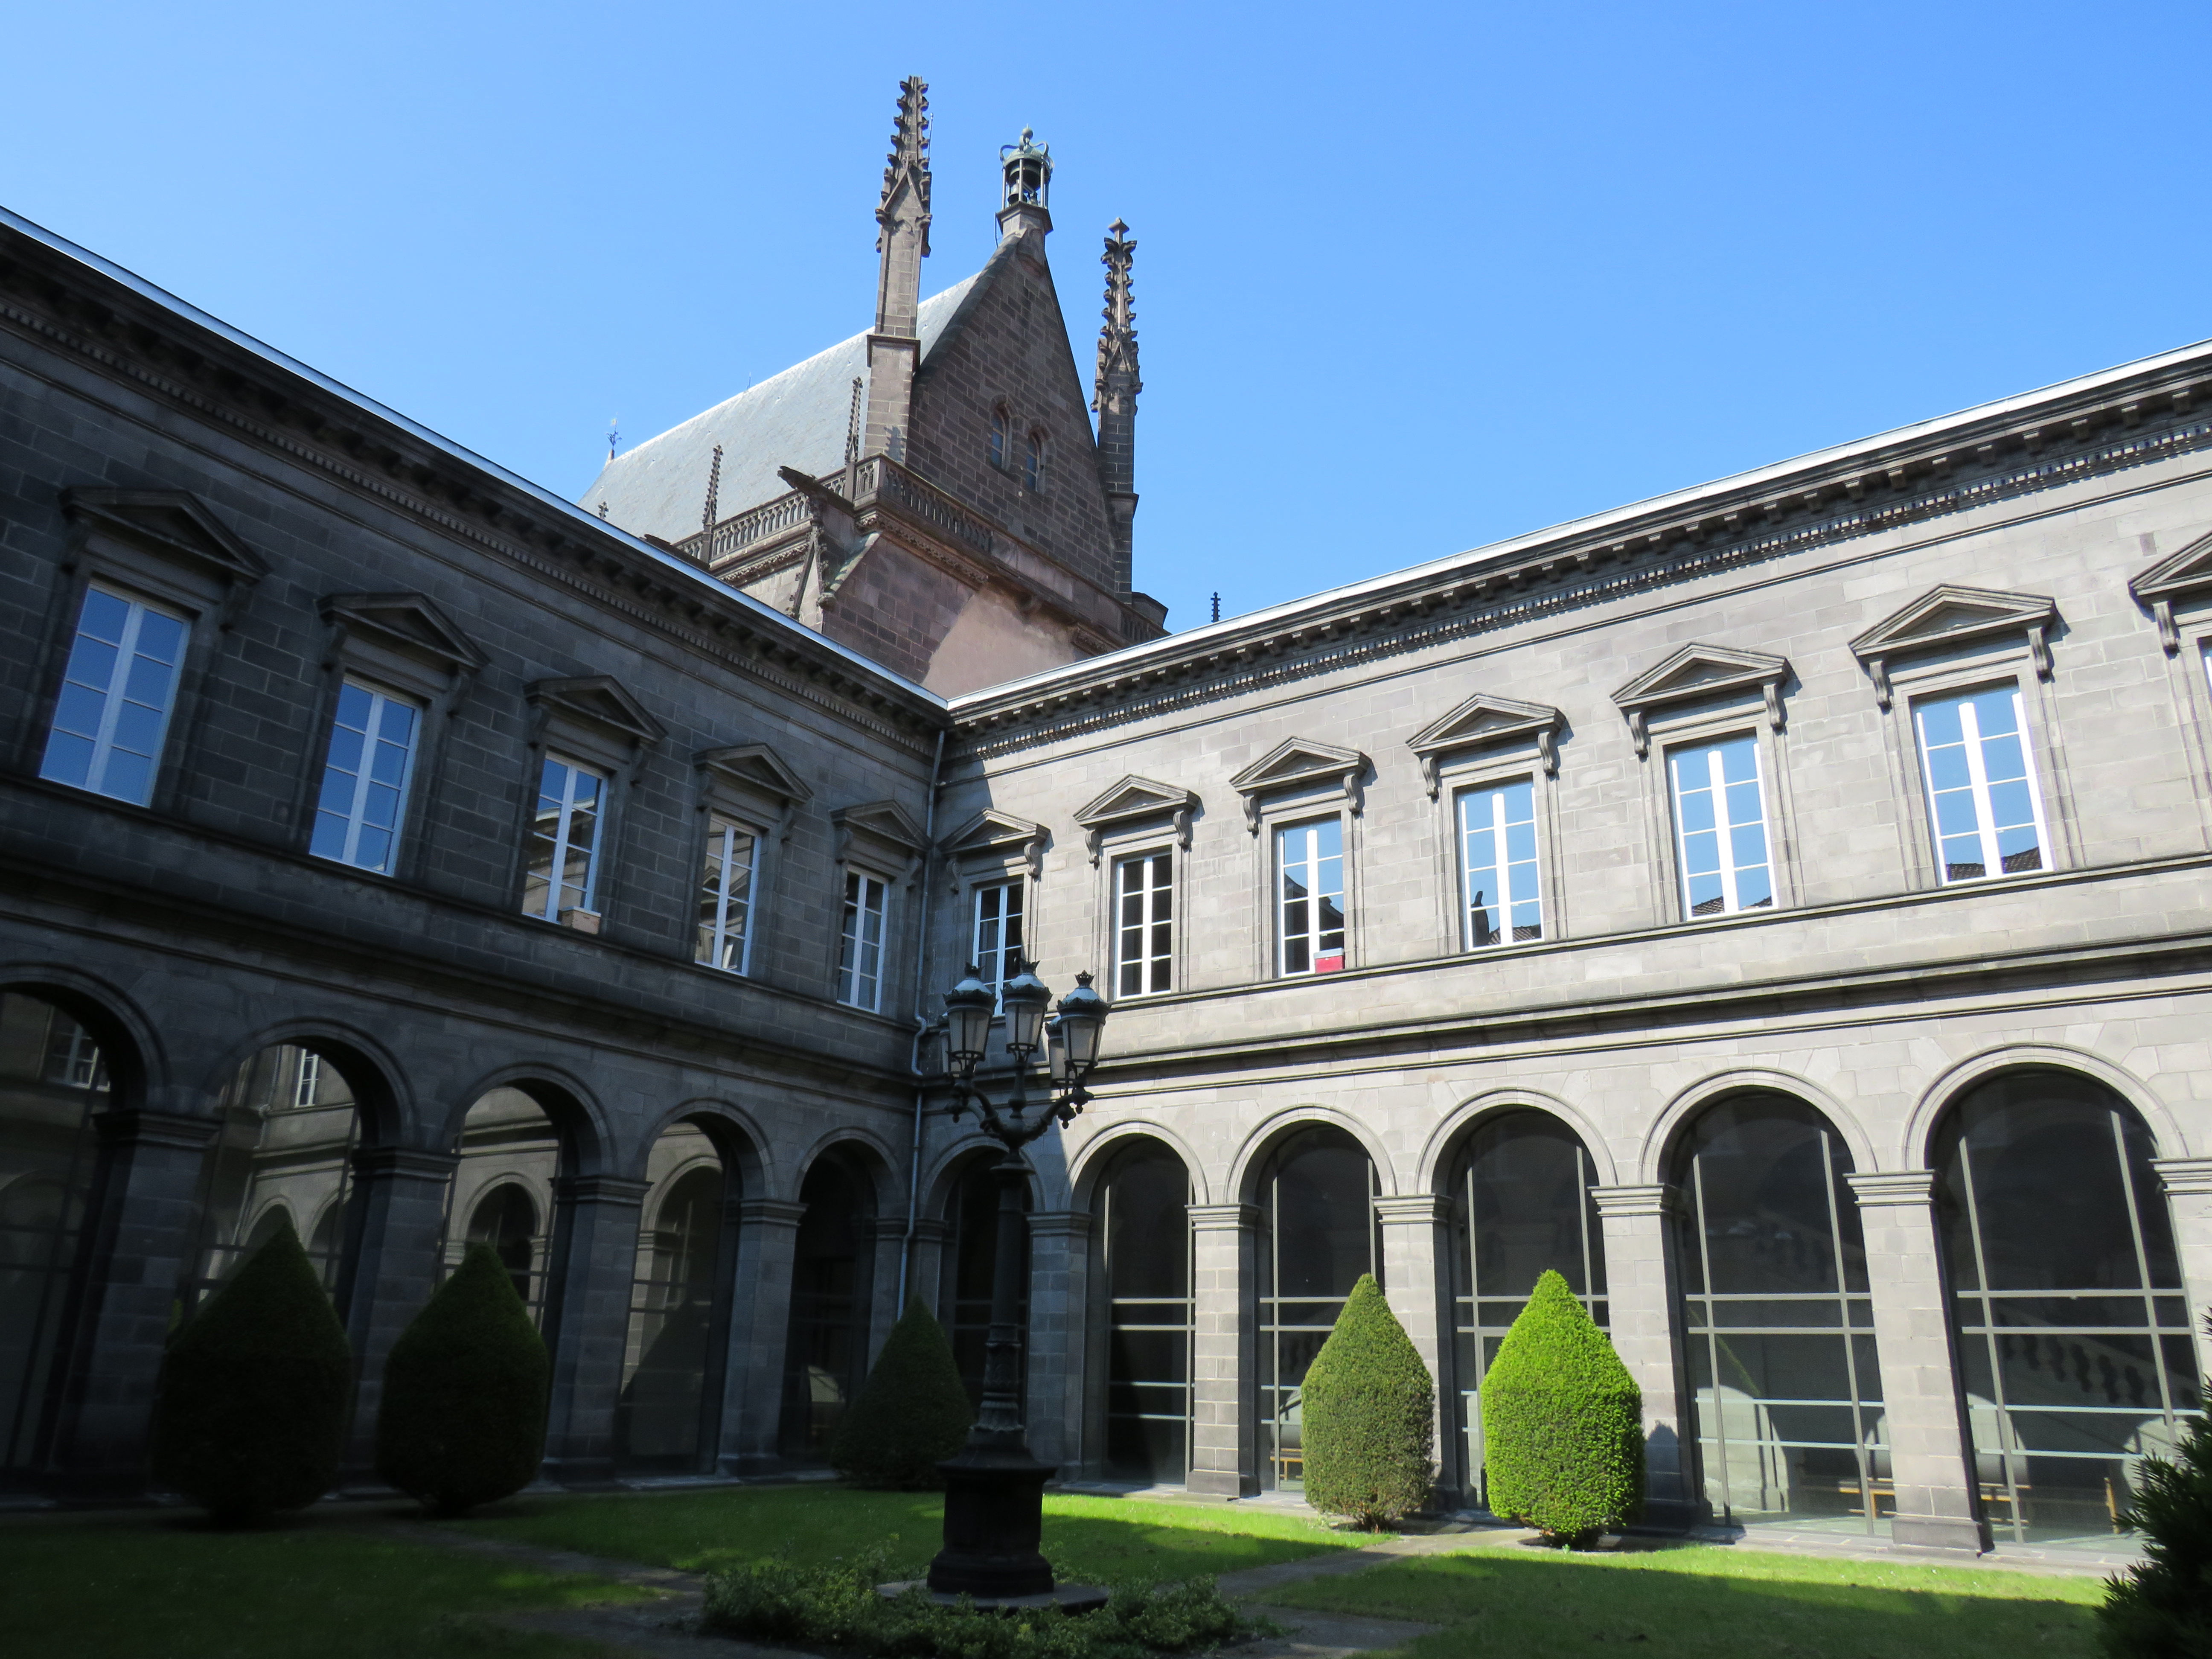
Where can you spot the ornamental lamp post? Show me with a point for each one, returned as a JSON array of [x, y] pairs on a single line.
[[994, 1489]]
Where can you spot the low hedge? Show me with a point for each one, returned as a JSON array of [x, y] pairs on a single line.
[[462, 1421], [910, 1416], [1562, 1423], [1368, 1415], [254, 1390], [836, 1605]]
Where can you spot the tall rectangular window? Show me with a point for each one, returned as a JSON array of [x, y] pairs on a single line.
[[564, 840], [725, 896], [861, 951], [997, 942], [117, 695], [1981, 791], [365, 779], [1144, 932], [1720, 828], [1310, 897], [1497, 865]]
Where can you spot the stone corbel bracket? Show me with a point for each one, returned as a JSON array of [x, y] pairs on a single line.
[[753, 769], [1696, 674], [1484, 721], [1133, 801], [1299, 764], [1950, 614], [2181, 575]]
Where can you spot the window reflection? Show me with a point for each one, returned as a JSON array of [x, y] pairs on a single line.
[[502, 1191], [663, 1413], [826, 1357], [1317, 1195], [1144, 1233]]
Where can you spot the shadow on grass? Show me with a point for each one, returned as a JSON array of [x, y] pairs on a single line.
[[1097, 1540], [1685, 1602]]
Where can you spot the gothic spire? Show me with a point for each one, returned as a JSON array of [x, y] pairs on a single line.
[[1114, 398], [902, 241]]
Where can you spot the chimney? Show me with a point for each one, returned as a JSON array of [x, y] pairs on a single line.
[[1114, 398], [902, 241]]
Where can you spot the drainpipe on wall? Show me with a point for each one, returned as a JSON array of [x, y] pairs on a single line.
[[920, 1021]]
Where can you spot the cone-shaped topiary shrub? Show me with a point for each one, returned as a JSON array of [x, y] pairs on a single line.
[[1562, 1423], [1367, 1412], [463, 1418], [2161, 1608], [910, 1415], [254, 1389]]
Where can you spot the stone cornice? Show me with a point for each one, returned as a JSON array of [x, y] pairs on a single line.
[[70, 302], [2085, 429]]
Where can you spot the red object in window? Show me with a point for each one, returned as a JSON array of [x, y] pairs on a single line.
[[1328, 964]]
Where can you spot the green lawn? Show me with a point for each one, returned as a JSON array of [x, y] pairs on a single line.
[[1689, 1601], [1093, 1539], [163, 1588]]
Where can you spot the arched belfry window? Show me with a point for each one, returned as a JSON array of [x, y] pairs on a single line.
[[1317, 1202], [1033, 460], [1141, 1220], [53, 1079], [2070, 1323], [1778, 1325], [1002, 438], [1521, 1203]]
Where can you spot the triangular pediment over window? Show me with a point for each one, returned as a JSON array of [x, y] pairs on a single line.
[[1299, 764], [168, 521], [598, 700], [1695, 673], [2179, 575], [882, 831], [757, 767], [406, 623], [1482, 722], [1949, 615], [992, 832], [1134, 800]]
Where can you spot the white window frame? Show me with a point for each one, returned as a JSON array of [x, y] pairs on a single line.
[[1978, 783], [364, 781], [103, 746], [1152, 896], [857, 987], [1510, 895], [564, 842], [1278, 869], [719, 859], [1725, 828], [996, 956], [308, 1082]]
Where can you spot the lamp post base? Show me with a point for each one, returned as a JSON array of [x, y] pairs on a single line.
[[993, 1523]]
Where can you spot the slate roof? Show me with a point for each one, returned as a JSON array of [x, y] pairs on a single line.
[[796, 419]]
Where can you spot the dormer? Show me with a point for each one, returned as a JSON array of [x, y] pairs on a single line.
[[1701, 673], [1299, 764], [1950, 616], [2177, 578], [1486, 721], [1136, 800]]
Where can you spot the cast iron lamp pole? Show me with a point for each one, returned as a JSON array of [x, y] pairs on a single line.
[[994, 1489]]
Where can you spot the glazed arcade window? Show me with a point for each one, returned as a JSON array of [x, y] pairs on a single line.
[[1144, 931], [1497, 848], [1720, 828], [725, 896], [860, 949], [372, 757], [997, 940], [1981, 789], [117, 695], [1310, 897], [564, 840]]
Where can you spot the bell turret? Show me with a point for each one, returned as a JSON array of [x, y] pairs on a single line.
[[1025, 200]]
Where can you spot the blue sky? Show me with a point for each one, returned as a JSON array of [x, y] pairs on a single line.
[[1410, 278]]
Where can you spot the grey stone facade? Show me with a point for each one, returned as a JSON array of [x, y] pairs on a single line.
[[2052, 548]]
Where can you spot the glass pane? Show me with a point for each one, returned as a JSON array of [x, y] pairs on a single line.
[[503, 1187], [826, 1352], [1318, 1193], [660, 1416], [1144, 1231]]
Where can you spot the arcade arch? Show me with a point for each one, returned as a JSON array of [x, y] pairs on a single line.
[[667, 1413], [1141, 1303], [826, 1349]]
